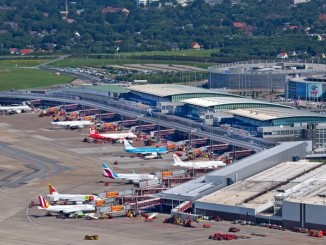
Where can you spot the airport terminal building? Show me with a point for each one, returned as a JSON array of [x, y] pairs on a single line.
[[267, 120], [152, 94]]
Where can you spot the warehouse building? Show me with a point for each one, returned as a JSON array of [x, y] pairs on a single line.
[[238, 171], [261, 193], [305, 212], [291, 193]]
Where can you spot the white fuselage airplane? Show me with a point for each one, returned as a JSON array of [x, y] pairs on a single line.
[[114, 136], [71, 124], [16, 108], [78, 198], [66, 209], [134, 178], [197, 164]]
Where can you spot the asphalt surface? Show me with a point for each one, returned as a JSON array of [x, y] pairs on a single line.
[[40, 167], [26, 138]]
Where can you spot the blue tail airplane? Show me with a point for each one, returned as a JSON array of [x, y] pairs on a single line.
[[144, 150]]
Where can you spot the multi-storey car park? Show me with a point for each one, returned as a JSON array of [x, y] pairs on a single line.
[[259, 75]]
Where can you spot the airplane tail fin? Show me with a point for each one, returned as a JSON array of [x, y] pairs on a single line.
[[177, 160], [52, 190], [43, 202], [108, 172], [127, 145], [92, 130]]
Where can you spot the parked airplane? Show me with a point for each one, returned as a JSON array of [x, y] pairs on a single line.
[[133, 178], [79, 199], [197, 164], [65, 209], [144, 150], [114, 136], [15, 108], [71, 124]]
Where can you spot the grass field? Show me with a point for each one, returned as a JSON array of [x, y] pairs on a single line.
[[19, 74], [185, 52], [23, 78], [75, 62], [20, 63]]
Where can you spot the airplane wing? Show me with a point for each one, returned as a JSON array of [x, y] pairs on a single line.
[[91, 216]]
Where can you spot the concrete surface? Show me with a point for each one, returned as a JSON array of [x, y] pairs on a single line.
[[33, 153]]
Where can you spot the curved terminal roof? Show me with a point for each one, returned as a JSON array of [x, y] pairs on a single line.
[[227, 102], [265, 114], [164, 90]]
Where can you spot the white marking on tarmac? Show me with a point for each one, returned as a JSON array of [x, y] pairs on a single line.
[[66, 139], [182, 242], [27, 215], [42, 137], [4, 125]]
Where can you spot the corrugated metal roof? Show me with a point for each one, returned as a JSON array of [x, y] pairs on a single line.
[[196, 188], [216, 101], [163, 90]]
